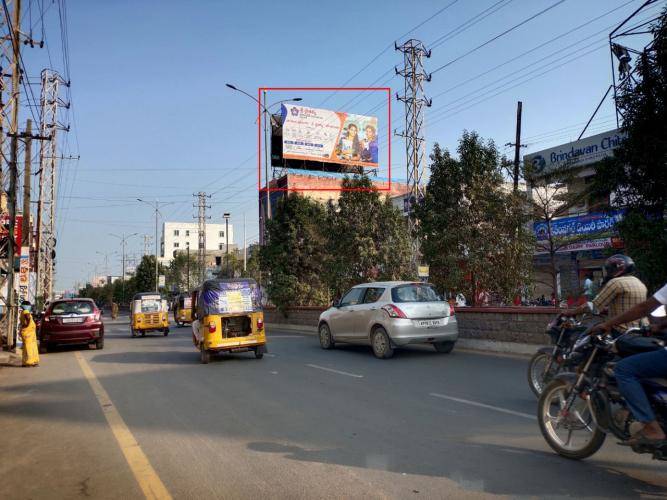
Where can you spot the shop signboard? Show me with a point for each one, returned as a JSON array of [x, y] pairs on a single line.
[[329, 136], [18, 231], [596, 244], [23, 282], [581, 225], [575, 154]]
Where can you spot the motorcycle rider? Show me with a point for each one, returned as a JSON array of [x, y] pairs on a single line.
[[630, 371], [620, 292]]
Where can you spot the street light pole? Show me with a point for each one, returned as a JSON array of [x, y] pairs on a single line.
[[267, 115], [226, 217], [123, 240], [155, 206]]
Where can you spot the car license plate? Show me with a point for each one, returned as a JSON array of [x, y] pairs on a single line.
[[72, 320], [432, 323]]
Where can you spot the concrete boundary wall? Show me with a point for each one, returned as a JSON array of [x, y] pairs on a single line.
[[483, 326]]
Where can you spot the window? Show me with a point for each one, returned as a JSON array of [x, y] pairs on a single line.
[[353, 297], [221, 246], [415, 293], [176, 232], [176, 244], [187, 232], [221, 234], [74, 307], [373, 295]]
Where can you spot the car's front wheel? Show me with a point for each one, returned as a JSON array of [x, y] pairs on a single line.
[[99, 344], [381, 344], [326, 339]]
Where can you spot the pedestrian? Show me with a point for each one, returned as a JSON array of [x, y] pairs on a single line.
[[30, 355], [114, 310], [589, 292]]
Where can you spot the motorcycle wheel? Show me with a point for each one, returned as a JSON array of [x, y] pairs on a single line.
[[537, 379], [559, 430]]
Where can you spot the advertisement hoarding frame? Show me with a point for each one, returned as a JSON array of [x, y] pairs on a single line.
[[262, 189]]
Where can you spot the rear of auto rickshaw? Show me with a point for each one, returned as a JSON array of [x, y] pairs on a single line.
[[183, 309], [148, 313], [228, 317]]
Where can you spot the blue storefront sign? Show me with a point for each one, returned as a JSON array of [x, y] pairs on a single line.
[[578, 226]]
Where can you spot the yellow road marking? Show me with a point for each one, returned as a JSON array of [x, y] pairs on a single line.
[[149, 481]]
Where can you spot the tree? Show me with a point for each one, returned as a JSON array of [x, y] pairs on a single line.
[[473, 231], [178, 269], [144, 276], [637, 174], [293, 260], [368, 238]]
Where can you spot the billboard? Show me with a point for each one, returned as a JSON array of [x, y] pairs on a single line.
[[18, 231], [579, 225], [575, 154], [329, 136]]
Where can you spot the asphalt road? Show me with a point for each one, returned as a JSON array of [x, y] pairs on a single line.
[[300, 423]]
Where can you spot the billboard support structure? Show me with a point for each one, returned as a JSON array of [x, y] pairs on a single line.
[[414, 76]]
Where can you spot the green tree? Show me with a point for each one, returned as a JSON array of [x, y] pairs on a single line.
[[178, 269], [293, 261], [367, 238], [473, 231], [144, 277], [637, 174]]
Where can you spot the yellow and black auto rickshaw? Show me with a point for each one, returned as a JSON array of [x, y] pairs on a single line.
[[183, 309], [148, 313], [228, 317]]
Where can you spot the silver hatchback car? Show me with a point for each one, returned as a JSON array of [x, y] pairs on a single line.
[[391, 314]]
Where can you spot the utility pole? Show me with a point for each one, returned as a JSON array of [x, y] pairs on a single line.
[[517, 146], [123, 240], [156, 207], [46, 207], [187, 244], [266, 161], [201, 220], [245, 256], [226, 217], [11, 313], [414, 76], [27, 181]]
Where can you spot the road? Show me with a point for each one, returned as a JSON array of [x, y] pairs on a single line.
[[300, 423]]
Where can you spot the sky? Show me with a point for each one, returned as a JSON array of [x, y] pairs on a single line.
[[153, 119]]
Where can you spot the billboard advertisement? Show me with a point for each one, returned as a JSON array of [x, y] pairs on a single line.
[[585, 151], [18, 231], [329, 136]]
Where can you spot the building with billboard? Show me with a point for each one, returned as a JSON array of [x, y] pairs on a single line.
[[313, 150], [588, 226]]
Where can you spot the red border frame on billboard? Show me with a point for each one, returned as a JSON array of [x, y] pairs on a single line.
[[354, 89]]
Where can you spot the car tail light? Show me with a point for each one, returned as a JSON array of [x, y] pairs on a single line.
[[393, 311], [260, 324], [211, 327]]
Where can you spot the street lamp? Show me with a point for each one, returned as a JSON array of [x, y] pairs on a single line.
[[123, 239], [155, 206], [226, 217], [267, 114]]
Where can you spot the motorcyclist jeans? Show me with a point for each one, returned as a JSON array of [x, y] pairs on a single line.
[[630, 371]]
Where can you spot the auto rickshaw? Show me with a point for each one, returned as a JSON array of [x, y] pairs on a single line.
[[149, 313], [183, 309], [228, 317]]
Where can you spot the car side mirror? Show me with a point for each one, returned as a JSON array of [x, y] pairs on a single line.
[[336, 303]]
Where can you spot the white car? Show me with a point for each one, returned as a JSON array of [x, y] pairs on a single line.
[[386, 315]]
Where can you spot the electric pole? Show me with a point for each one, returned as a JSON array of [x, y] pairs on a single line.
[[517, 146], [46, 207], [414, 76], [27, 180], [123, 240], [201, 220]]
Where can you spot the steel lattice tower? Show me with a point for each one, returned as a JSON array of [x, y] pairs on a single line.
[[201, 220], [414, 77], [46, 214]]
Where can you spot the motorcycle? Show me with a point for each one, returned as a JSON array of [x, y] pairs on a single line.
[[547, 362], [576, 411]]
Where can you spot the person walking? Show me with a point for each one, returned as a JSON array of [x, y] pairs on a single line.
[[30, 355], [114, 310]]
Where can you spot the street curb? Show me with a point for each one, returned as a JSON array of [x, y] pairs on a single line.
[[493, 346]]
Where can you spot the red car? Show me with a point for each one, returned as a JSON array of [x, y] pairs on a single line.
[[71, 321]]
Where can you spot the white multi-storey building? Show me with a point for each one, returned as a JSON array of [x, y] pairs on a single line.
[[178, 236]]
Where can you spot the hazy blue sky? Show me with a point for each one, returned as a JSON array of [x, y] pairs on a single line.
[[155, 120]]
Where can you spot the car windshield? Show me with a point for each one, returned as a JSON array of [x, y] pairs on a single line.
[[150, 305], [74, 307], [415, 293]]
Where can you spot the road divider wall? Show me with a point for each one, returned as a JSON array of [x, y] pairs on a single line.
[[507, 325]]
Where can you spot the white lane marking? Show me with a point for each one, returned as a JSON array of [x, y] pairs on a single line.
[[269, 355], [482, 405], [335, 371]]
